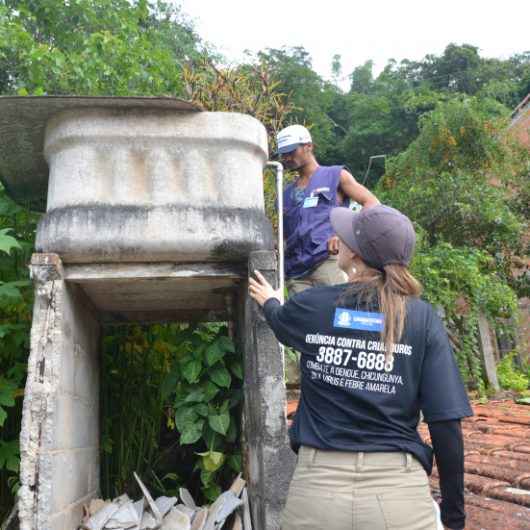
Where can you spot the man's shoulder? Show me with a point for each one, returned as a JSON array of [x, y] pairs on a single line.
[[334, 168]]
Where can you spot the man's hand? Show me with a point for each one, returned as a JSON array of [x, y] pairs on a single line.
[[261, 290], [333, 245]]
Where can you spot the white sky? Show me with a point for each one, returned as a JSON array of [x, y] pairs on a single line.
[[359, 31]]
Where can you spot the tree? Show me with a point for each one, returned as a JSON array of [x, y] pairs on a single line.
[[336, 68], [94, 47], [362, 78], [310, 96], [454, 179], [459, 181]]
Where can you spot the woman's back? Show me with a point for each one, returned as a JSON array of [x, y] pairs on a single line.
[[372, 356], [353, 398]]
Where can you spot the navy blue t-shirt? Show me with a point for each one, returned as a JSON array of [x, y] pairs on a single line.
[[352, 399]]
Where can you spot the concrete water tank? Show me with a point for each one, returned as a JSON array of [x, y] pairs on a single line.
[[154, 211], [150, 185], [136, 179]]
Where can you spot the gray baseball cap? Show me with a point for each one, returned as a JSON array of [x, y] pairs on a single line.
[[380, 235]]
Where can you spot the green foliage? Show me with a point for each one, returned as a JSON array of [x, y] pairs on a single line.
[[456, 181], [93, 47], [17, 228], [310, 97], [171, 405], [7, 398], [249, 89], [465, 283], [7, 242], [511, 378], [457, 178]]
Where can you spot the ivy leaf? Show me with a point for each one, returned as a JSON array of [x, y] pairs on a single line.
[[7, 242], [234, 461], [3, 416], [5, 330], [195, 396], [225, 406], [192, 371], [214, 354], [237, 369], [219, 422], [210, 437], [184, 417], [10, 290], [210, 391], [221, 376], [226, 344], [7, 392], [231, 434], [212, 460], [192, 432], [201, 409], [206, 476], [212, 492]]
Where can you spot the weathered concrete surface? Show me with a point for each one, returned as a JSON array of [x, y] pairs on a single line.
[[269, 461], [60, 425], [23, 169], [488, 351], [60, 434], [153, 185], [146, 292]]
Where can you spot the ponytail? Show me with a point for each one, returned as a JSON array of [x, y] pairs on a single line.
[[389, 289]]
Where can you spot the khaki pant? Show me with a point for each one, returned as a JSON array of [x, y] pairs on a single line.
[[327, 273], [335, 490]]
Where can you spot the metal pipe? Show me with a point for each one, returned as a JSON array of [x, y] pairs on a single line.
[[279, 194], [370, 165]]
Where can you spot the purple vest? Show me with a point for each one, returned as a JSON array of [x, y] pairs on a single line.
[[307, 230]]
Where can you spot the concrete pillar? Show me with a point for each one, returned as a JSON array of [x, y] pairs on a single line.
[[59, 440], [269, 462], [488, 351]]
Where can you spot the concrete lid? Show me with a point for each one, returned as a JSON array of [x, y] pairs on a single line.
[[23, 119]]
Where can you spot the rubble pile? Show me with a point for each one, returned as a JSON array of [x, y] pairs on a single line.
[[167, 513]]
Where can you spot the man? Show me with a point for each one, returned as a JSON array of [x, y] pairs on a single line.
[[310, 245]]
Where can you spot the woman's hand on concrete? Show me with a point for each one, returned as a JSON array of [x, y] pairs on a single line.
[[261, 290]]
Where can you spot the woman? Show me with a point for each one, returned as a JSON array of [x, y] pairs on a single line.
[[373, 355]]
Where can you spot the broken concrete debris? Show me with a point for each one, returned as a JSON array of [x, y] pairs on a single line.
[[165, 513]]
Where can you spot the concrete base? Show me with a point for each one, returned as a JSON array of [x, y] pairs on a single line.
[[269, 460], [60, 426], [59, 440]]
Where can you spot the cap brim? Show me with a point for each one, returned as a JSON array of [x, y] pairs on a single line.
[[342, 220], [287, 149]]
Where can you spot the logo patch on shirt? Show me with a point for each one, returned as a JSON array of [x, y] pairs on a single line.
[[310, 202], [362, 320]]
